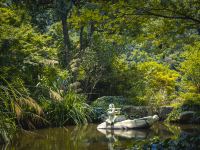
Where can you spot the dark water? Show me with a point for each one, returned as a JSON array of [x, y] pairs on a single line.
[[89, 138]]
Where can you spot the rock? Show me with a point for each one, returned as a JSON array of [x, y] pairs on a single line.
[[164, 112], [185, 108], [193, 107], [186, 116], [197, 119], [136, 111], [142, 111]]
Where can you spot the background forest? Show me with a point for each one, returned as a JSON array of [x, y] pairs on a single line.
[[58, 56]]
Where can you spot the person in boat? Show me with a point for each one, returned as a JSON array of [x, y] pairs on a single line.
[[115, 121], [112, 114]]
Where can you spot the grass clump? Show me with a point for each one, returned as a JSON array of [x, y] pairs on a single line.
[[70, 109]]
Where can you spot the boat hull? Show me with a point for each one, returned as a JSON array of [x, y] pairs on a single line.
[[142, 123]]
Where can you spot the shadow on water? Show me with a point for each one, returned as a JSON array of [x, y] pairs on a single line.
[[89, 138]]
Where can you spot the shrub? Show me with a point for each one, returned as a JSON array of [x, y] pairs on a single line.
[[191, 101], [71, 109], [103, 102]]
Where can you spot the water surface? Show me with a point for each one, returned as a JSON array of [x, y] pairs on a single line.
[[89, 138]]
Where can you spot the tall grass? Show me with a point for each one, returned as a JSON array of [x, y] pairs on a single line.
[[79, 110], [70, 109], [7, 128], [17, 108], [15, 101]]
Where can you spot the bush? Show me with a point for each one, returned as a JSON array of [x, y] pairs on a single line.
[[191, 101], [174, 115], [71, 109], [103, 102]]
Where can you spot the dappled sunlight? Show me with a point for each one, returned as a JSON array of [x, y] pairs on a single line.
[[63, 62]]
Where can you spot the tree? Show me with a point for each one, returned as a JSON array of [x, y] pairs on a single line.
[[160, 83], [191, 67], [63, 9]]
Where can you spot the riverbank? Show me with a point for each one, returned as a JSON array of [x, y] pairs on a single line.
[[185, 112]]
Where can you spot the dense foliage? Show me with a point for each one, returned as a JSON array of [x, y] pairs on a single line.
[[58, 56]]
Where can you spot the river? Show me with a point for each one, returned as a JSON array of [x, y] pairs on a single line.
[[89, 138]]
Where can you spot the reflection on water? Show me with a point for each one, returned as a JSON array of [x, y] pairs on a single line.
[[136, 134], [89, 138]]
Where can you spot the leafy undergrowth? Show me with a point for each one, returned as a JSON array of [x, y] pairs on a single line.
[[191, 102], [182, 142]]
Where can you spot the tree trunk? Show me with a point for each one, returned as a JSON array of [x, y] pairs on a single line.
[[90, 33], [81, 38], [67, 44], [64, 10]]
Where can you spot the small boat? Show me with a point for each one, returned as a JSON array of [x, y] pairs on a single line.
[[114, 122], [140, 123]]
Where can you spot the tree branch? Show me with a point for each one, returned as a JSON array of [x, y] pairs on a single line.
[[183, 17], [148, 12]]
